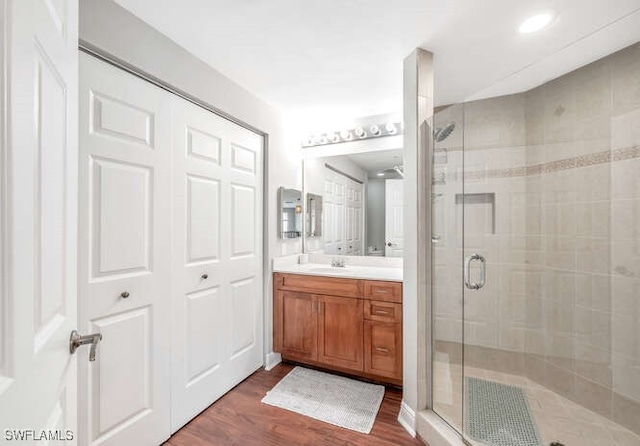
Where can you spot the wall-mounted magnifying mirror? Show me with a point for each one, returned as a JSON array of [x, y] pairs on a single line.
[[362, 203], [290, 213]]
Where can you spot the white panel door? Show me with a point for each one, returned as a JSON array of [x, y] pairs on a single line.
[[217, 258], [38, 234], [394, 208], [354, 217], [335, 216], [124, 267]]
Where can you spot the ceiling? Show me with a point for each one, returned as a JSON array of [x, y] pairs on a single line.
[[374, 162], [341, 59]]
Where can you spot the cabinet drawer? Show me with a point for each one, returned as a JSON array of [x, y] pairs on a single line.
[[375, 310], [386, 291], [383, 349], [320, 285]]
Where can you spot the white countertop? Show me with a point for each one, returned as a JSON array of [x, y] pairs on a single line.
[[367, 272]]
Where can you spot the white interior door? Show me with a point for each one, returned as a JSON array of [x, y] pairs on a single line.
[[125, 256], [217, 258], [394, 233], [354, 217], [39, 226], [334, 215]]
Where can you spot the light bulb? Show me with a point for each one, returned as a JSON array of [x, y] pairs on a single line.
[[535, 23], [360, 133], [346, 135], [391, 128], [375, 130]]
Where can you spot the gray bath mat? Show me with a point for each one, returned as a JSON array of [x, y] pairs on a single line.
[[333, 399], [499, 415]]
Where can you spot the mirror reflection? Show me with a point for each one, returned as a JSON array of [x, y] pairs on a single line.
[[361, 206], [314, 215], [290, 215]]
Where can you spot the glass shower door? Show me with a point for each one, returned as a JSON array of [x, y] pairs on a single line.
[[497, 254], [447, 273]]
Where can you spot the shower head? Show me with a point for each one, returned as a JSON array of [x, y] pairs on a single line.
[[397, 170], [443, 133]]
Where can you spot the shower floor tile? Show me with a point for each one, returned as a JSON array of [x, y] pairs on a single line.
[[558, 419]]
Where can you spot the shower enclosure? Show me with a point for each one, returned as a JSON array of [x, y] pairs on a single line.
[[535, 253]]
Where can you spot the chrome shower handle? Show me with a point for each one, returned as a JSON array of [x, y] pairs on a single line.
[[467, 272], [483, 271]]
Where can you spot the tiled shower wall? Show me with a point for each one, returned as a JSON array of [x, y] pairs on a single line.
[[562, 242], [583, 214]]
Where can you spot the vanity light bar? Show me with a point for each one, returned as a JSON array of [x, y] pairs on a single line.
[[354, 134]]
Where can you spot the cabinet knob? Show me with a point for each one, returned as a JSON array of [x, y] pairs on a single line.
[[124, 294], [205, 276]]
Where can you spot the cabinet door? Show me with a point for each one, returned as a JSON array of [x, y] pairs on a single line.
[[383, 349], [340, 332], [297, 328]]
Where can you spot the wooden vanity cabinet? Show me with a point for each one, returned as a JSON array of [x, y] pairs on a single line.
[[298, 325], [340, 332], [349, 325]]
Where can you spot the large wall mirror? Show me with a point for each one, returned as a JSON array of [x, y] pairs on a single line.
[[361, 203]]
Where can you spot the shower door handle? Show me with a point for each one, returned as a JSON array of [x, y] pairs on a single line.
[[467, 272]]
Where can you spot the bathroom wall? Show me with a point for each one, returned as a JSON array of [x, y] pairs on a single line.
[[111, 28], [561, 302]]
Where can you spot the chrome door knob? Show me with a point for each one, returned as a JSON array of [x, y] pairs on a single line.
[[76, 340]]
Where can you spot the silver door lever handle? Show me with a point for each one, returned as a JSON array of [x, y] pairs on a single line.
[[76, 341]]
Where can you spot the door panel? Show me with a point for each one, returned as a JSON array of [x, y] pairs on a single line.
[[340, 332], [394, 221], [299, 324], [121, 246], [217, 267], [122, 361], [38, 234], [125, 256], [202, 353]]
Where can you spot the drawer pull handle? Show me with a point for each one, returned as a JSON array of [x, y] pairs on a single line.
[[382, 349], [381, 291], [381, 312]]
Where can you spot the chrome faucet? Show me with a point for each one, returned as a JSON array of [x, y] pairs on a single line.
[[337, 263]]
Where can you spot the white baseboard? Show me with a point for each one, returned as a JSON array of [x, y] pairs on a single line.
[[407, 418], [272, 360]]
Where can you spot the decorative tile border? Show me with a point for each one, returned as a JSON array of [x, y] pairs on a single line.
[[591, 159]]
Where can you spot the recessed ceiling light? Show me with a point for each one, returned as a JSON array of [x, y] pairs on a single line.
[[535, 23], [380, 174]]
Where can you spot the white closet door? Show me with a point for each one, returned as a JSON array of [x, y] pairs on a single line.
[[38, 217], [217, 258], [125, 232]]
